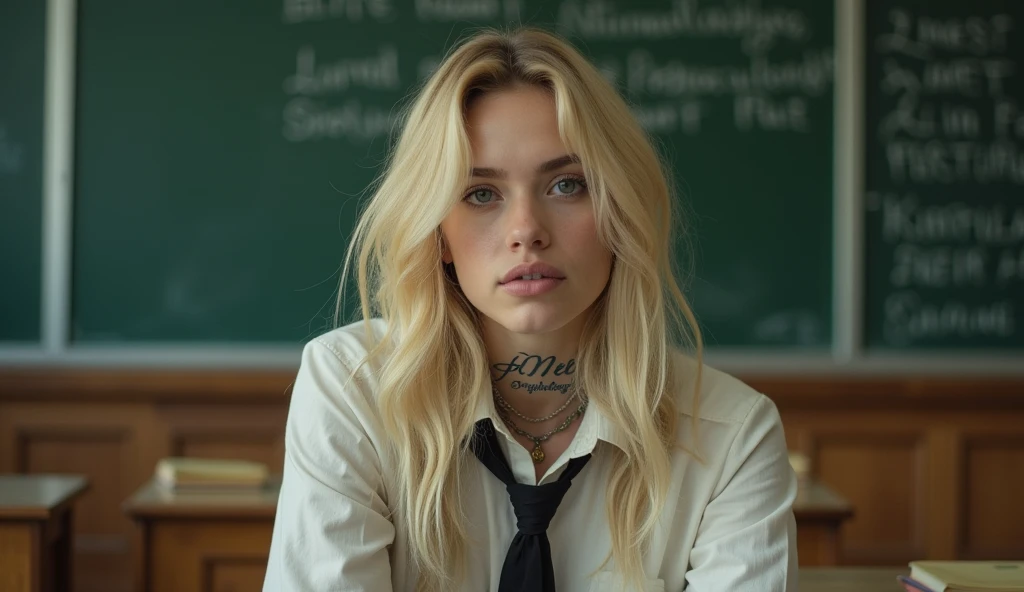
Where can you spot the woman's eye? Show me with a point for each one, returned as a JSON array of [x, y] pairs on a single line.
[[566, 185], [482, 196], [569, 186]]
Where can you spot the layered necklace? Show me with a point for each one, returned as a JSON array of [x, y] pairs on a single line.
[[537, 454]]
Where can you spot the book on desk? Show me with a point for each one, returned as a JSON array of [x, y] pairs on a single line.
[[185, 473], [964, 576]]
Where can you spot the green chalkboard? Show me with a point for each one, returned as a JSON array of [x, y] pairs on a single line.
[[944, 175], [217, 180], [22, 61]]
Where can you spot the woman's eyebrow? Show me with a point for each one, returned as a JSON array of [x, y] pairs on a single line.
[[556, 163], [545, 167]]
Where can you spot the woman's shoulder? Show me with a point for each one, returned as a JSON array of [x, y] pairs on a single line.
[[343, 353], [721, 398], [352, 342], [336, 381]]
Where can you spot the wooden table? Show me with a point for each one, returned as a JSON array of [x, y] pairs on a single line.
[[192, 541], [36, 531], [851, 579], [220, 541], [820, 512]]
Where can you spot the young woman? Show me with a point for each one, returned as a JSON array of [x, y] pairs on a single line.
[[524, 406]]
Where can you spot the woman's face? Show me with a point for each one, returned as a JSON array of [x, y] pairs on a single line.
[[526, 202]]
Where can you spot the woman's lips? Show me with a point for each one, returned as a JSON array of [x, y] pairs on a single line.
[[531, 287]]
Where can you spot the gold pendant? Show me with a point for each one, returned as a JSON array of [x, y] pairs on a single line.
[[537, 454]]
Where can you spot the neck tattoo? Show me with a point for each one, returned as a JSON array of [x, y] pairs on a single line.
[[524, 365]]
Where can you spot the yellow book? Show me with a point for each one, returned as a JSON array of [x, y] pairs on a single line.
[[969, 576], [178, 472]]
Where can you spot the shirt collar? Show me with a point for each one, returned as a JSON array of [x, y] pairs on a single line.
[[593, 427]]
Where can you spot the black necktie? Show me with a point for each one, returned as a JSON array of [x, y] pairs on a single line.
[[527, 565]]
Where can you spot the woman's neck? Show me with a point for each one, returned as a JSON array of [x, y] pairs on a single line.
[[534, 373]]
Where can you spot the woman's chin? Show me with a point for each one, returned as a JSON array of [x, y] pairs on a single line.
[[533, 322]]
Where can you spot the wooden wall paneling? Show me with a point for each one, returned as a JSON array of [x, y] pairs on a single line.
[[118, 385], [255, 445], [992, 514], [943, 499], [253, 433], [882, 473]]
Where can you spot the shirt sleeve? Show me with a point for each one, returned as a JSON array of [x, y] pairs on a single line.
[[331, 530], [746, 541]]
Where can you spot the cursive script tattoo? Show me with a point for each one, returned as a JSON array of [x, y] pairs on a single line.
[[532, 388], [530, 365]]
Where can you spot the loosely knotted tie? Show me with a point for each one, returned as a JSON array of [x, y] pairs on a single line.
[[527, 565]]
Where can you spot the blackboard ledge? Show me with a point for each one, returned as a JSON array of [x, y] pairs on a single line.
[[735, 361], [158, 355]]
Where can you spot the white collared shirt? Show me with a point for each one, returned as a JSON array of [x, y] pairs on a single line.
[[727, 526]]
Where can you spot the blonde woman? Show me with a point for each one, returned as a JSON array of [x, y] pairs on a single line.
[[524, 406]]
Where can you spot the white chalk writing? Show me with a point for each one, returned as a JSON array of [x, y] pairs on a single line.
[[457, 10], [812, 75], [921, 36], [375, 72], [307, 119], [945, 162], [768, 114], [904, 218], [758, 27], [910, 319], [767, 95], [671, 117], [949, 121], [354, 11]]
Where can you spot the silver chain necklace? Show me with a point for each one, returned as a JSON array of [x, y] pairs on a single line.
[[503, 403], [537, 454]]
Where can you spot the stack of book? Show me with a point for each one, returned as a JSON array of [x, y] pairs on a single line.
[[965, 576], [181, 473]]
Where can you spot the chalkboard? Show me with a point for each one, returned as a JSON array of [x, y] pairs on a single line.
[[222, 151], [22, 61], [944, 174]]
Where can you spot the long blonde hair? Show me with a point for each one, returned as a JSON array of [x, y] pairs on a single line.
[[430, 380]]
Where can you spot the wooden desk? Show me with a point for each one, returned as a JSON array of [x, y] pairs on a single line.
[[36, 531], [851, 579], [820, 513], [212, 541], [220, 541]]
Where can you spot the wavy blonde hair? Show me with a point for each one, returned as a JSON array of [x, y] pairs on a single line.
[[430, 380]]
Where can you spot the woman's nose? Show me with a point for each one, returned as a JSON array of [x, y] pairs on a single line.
[[527, 227]]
